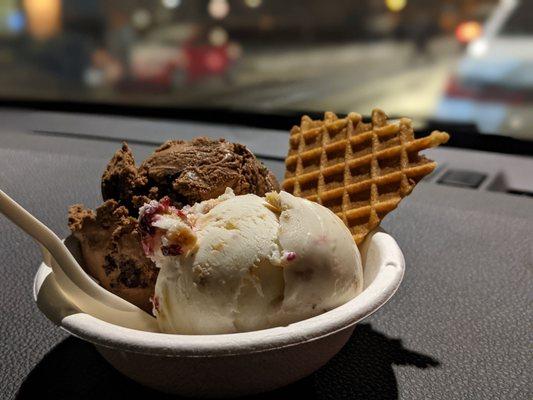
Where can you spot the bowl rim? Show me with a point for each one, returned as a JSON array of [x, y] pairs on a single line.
[[386, 282]]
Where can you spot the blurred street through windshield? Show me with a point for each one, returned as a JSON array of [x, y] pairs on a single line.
[[408, 57]]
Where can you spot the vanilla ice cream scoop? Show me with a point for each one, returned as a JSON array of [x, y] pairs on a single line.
[[242, 263]]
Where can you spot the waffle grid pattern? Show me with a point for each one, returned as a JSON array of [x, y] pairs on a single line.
[[359, 170]]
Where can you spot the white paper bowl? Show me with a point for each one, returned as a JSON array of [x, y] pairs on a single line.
[[231, 364]]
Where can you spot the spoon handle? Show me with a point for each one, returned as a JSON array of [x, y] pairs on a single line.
[[64, 258]]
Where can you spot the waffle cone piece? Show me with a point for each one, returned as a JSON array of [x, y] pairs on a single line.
[[360, 171]]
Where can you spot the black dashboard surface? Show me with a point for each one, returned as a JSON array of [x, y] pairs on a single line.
[[458, 328]]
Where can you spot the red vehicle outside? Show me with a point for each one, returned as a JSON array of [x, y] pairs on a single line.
[[163, 63]]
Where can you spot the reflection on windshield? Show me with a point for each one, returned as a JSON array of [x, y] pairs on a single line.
[[410, 57]]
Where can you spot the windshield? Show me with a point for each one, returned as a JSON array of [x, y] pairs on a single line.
[[273, 56]]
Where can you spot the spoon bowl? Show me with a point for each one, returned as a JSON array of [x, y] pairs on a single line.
[[81, 290]]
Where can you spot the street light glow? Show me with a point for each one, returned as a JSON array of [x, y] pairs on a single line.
[[468, 31], [395, 5], [141, 18], [218, 9], [218, 36], [43, 17], [171, 3], [253, 3]]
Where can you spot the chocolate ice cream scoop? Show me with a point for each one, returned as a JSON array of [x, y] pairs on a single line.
[[186, 172], [190, 172], [111, 251], [121, 177]]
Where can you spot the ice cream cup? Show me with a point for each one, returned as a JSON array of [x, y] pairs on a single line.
[[235, 364]]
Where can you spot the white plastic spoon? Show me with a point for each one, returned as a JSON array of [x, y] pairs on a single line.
[[88, 296]]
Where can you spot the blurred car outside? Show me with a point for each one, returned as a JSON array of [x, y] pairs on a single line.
[[492, 86], [181, 55]]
